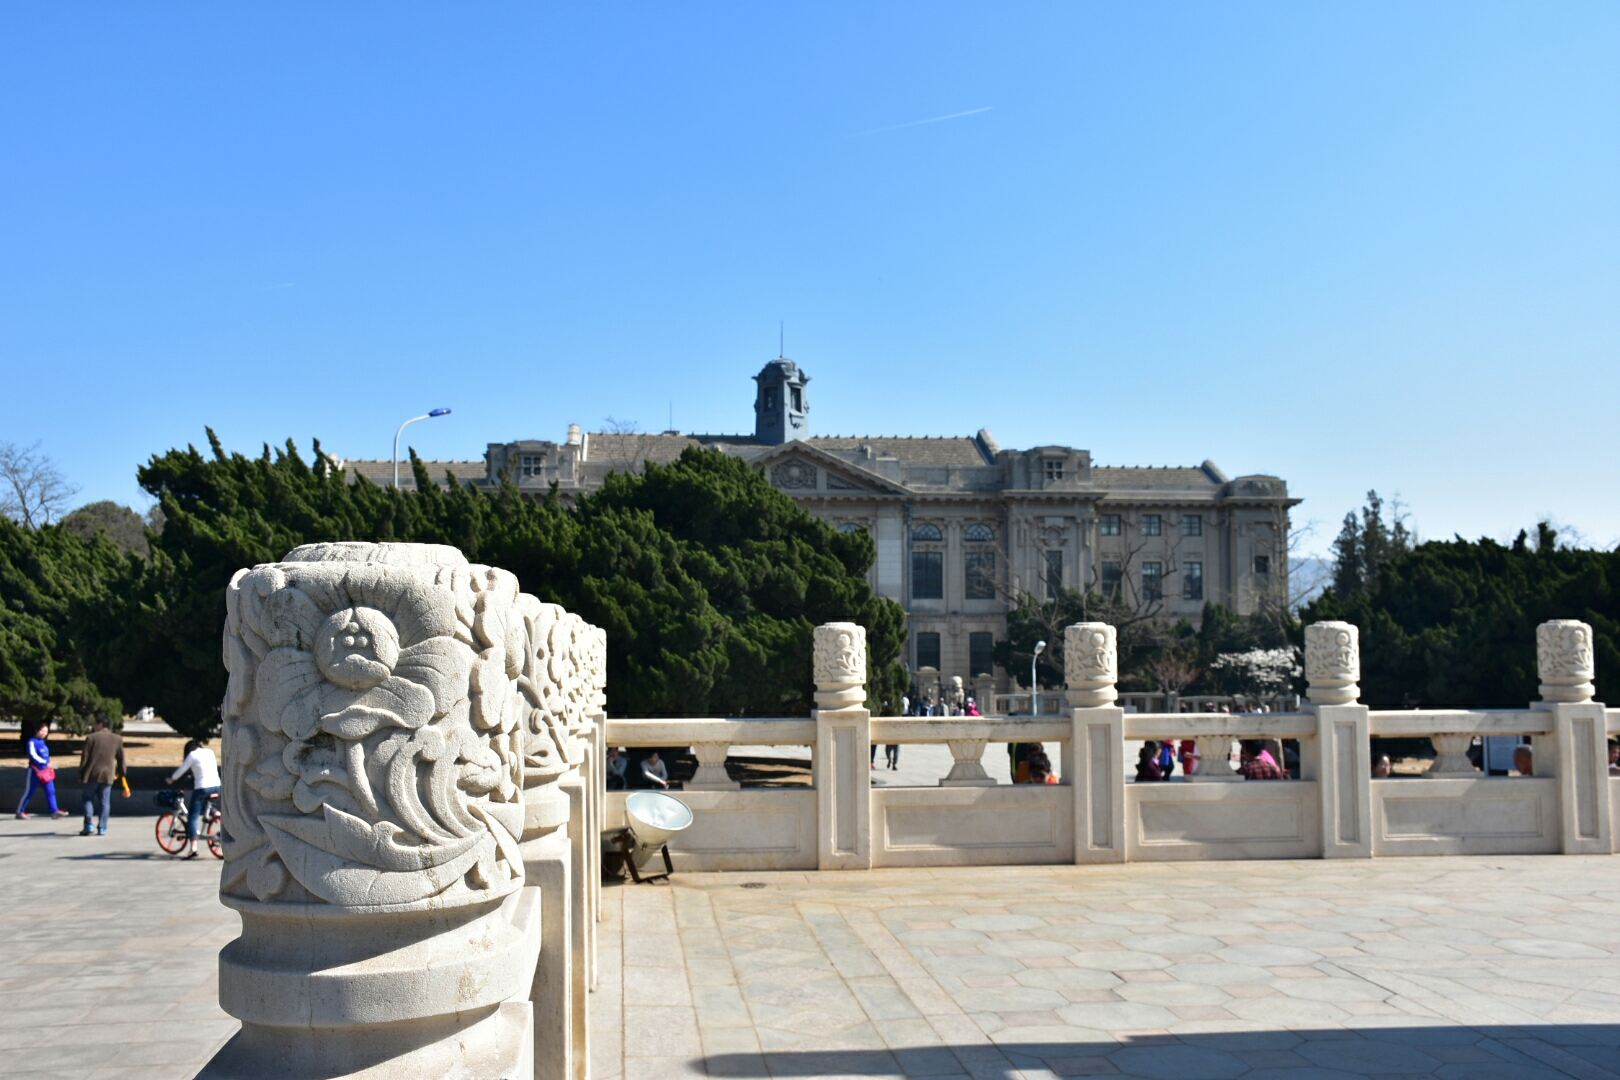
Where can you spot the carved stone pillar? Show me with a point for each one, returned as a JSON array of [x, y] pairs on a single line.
[[843, 749], [711, 772], [557, 686], [1090, 664], [1564, 661], [969, 768], [1451, 758], [373, 799], [1332, 663]]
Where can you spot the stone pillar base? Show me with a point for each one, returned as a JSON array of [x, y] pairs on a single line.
[[491, 1044]]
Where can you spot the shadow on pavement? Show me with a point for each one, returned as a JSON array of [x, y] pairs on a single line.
[[1444, 1051]]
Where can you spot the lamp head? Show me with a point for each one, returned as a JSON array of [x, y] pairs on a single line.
[[438, 412], [1040, 647]]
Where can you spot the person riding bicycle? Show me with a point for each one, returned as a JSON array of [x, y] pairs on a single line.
[[204, 769]]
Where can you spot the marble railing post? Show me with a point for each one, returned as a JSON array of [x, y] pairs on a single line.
[[1339, 759], [564, 663], [843, 747], [1575, 753], [373, 793], [1095, 763], [711, 772]]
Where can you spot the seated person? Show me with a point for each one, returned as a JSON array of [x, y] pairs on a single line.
[[1524, 760], [654, 771], [1040, 768], [1381, 767], [1257, 764], [1147, 763], [1614, 757], [617, 764]]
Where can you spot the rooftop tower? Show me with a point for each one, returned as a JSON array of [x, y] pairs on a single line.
[[781, 406]]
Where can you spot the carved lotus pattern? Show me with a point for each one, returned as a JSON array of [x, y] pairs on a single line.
[[1090, 654], [1564, 650], [373, 733], [840, 654], [1332, 653]]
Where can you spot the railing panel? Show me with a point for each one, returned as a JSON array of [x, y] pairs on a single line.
[[1482, 816], [1406, 723], [1023, 825], [1280, 819]]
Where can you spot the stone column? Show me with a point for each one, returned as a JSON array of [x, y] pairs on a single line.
[[1451, 758], [1339, 759], [968, 771], [1576, 751], [711, 772], [559, 698], [1095, 763], [373, 797], [843, 747]]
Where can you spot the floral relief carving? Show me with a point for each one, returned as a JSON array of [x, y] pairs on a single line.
[[558, 687], [1090, 654], [1565, 660], [840, 654], [1332, 653], [374, 738]]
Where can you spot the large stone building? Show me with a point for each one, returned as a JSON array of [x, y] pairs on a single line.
[[963, 526]]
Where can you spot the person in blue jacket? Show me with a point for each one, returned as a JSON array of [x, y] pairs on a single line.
[[40, 774]]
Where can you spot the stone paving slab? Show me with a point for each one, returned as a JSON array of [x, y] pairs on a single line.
[[111, 954], [1457, 968]]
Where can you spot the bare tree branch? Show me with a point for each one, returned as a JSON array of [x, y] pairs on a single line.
[[32, 490]]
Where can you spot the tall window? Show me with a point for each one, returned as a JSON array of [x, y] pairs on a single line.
[[928, 650], [981, 575], [980, 643], [1108, 524], [1113, 574], [1152, 581], [1054, 470], [1054, 574], [928, 575], [1152, 525], [1192, 581], [1192, 525], [1262, 564], [798, 402]]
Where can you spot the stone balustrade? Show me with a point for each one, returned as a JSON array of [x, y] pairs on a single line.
[[1098, 814]]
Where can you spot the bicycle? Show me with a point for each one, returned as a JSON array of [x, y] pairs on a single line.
[[172, 827]]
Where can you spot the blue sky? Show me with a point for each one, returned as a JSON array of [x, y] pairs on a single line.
[[1355, 245]]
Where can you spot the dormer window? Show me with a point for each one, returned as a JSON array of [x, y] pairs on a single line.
[[532, 464], [1054, 470]]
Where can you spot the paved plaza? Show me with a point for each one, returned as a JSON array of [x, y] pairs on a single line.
[[1493, 967], [1466, 968], [111, 953]]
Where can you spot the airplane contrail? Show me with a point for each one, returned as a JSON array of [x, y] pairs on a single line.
[[916, 123]]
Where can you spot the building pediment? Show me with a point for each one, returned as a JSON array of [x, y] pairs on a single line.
[[797, 468]]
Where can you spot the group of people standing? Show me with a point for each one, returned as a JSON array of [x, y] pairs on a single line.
[[102, 767]]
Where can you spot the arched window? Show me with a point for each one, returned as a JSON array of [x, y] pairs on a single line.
[[927, 533], [851, 527], [979, 534]]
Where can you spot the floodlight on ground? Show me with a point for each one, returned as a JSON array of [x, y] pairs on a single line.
[[429, 415], [653, 818]]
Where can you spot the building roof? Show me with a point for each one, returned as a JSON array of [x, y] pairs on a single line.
[[1168, 476], [382, 472], [918, 450]]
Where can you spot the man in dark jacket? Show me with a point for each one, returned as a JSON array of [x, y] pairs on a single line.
[[100, 766]]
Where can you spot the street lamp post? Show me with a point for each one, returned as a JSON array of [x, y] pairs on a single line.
[[1034, 692], [425, 416]]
